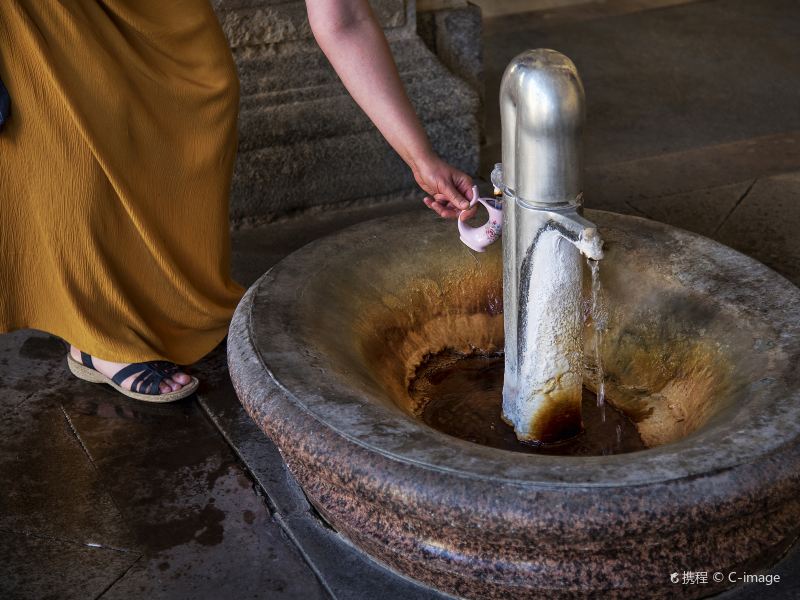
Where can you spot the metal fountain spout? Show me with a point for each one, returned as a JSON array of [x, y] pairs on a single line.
[[542, 114]]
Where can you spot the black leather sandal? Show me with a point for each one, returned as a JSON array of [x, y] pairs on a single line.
[[146, 385]]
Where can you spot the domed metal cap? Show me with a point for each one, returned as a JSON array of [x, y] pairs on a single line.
[[542, 113]]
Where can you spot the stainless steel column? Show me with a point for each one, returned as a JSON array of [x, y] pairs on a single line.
[[542, 114]]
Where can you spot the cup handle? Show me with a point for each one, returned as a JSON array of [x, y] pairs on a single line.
[[475, 198], [469, 234]]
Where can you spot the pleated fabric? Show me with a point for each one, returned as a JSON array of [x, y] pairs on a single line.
[[115, 171]]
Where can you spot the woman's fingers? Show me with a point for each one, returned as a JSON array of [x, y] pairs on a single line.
[[448, 187], [433, 205], [464, 184], [442, 208], [454, 195], [450, 213], [453, 191]]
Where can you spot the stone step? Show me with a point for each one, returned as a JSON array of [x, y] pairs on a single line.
[[329, 117], [280, 179], [433, 80], [257, 22], [308, 67], [272, 114]]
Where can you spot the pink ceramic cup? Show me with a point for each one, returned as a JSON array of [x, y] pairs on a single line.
[[479, 238]]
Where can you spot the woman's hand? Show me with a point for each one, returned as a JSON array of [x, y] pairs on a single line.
[[449, 190]]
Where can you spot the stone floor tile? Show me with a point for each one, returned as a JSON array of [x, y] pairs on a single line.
[[31, 366], [37, 568], [231, 549], [192, 509], [612, 186], [255, 450], [110, 425], [50, 486], [255, 249], [766, 224], [521, 15], [701, 211], [788, 588]]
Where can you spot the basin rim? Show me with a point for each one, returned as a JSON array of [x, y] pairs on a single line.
[[744, 436]]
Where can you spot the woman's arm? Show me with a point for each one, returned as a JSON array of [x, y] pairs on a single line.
[[354, 43]]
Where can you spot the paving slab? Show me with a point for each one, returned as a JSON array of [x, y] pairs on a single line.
[[348, 573], [226, 549], [615, 186], [760, 218], [145, 500], [766, 224], [61, 570], [788, 588], [509, 15], [203, 529], [24, 353], [254, 449], [50, 487], [702, 211]]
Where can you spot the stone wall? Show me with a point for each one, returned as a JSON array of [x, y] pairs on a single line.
[[303, 142], [452, 30]]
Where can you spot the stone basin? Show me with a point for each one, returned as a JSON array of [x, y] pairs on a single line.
[[702, 354]]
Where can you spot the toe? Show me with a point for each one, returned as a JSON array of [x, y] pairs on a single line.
[[164, 387], [181, 378], [173, 385]]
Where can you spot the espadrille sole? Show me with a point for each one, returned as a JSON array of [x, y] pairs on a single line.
[[87, 374]]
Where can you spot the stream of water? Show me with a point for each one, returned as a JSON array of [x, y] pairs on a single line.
[[599, 318]]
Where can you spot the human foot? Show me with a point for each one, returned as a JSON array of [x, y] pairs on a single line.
[[173, 383]]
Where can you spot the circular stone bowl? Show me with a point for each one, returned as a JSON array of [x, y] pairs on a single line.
[[702, 353]]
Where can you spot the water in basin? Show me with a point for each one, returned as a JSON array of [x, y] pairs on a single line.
[[462, 396]]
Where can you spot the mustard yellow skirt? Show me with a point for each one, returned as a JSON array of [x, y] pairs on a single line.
[[115, 169]]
